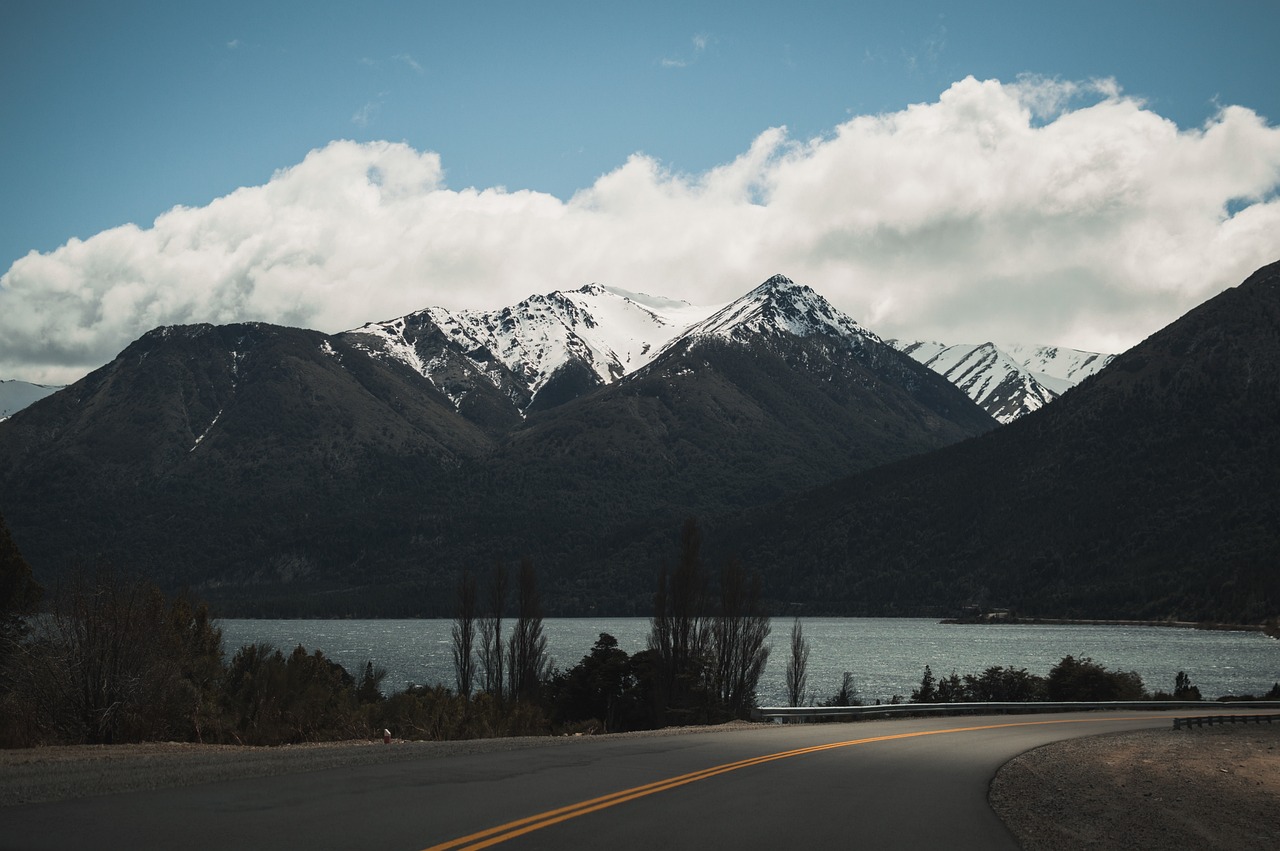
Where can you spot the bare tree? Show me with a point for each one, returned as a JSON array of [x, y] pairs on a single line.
[[122, 663], [738, 635], [678, 634], [492, 649], [464, 634], [528, 650], [798, 666]]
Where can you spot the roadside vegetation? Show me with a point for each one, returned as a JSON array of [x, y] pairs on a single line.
[[108, 659]]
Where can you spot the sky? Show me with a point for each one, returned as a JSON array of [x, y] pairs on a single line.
[[1072, 174]]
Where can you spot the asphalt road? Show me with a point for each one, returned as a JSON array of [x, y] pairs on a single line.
[[910, 783]]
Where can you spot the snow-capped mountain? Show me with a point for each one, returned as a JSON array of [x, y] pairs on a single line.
[[502, 364], [386, 459], [1007, 381], [779, 305], [551, 348], [16, 395], [1056, 367], [547, 346]]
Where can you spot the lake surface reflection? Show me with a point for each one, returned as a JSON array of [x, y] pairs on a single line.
[[885, 655]]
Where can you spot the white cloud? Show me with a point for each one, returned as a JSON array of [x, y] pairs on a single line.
[[362, 116], [1036, 211], [700, 43], [406, 59]]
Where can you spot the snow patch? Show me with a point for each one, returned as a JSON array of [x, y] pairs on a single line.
[[208, 429]]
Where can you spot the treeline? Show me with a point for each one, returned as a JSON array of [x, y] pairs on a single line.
[[705, 652], [1071, 679]]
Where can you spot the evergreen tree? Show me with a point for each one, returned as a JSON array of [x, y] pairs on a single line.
[[928, 691], [601, 687]]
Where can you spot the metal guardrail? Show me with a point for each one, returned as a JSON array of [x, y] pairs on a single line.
[[1210, 720], [888, 710]]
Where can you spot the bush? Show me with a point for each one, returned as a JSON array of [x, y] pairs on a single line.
[[1084, 680]]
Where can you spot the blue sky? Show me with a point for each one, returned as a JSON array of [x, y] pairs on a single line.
[[114, 113]]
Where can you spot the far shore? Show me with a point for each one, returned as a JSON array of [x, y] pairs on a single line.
[[998, 619]]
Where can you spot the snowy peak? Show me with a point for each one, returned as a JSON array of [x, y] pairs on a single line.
[[780, 306], [550, 348], [1008, 382], [1055, 367], [558, 343]]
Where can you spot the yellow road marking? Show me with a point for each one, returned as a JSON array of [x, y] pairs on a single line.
[[519, 827]]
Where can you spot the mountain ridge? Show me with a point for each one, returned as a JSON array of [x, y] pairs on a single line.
[[281, 470], [1007, 381], [1146, 492]]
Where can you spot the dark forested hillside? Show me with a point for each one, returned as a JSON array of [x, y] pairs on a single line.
[[205, 454], [283, 471], [1150, 490]]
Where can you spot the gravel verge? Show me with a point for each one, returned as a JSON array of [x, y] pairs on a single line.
[[36, 775], [1211, 787]]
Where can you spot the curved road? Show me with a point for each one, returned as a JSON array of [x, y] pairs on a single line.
[[908, 783]]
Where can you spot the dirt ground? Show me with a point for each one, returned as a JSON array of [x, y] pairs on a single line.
[[1211, 787]]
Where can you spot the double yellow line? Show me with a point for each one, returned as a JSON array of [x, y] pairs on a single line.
[[510, 830]]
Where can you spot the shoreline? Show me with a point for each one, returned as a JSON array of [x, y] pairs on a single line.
[[1015, 620]]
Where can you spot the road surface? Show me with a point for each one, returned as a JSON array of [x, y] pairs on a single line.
[[903, 783]]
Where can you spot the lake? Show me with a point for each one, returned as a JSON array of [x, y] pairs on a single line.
[[885, 655]]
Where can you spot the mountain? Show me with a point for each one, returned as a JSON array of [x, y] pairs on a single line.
[[1007, 381], [496, 366], [284, 471], [1147, 491], [16, 395]]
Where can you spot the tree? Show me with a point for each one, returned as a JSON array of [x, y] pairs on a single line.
[[678, 634], [121, 663], [798, 666], [737, 640], [369, 686], [19, 596], [998, 684], [602, 687], [1183, 689], [492, 650], [464, 634], [928, 691], [527, 655], [847, 695], [1086, 680]]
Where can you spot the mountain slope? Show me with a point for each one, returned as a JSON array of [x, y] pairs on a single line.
[[16, 395], [1007, 381], [733, 413], [210, 453], [1148, 491], [279, 470]]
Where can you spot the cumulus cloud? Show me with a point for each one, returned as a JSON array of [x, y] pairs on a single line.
[[1036, 211]]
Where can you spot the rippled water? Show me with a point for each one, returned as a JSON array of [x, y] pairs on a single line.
[[885, 655]]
